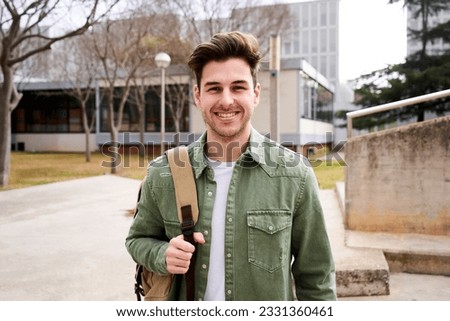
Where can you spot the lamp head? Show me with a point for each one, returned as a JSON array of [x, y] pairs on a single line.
[[162, 60]]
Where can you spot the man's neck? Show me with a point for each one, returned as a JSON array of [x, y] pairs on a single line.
[[226, 150]]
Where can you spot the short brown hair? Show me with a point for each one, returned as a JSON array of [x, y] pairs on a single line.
[[223, 46]]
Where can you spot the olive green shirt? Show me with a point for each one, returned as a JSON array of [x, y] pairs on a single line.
[[274, 225]]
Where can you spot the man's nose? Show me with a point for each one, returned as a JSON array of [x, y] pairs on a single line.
[[227, 98]]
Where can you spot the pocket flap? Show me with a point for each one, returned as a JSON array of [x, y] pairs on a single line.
[[269, 221]]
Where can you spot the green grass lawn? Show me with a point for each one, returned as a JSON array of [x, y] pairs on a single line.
[[29, 169], [329, 173]]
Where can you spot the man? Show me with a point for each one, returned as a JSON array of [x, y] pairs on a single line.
[[260, 221]]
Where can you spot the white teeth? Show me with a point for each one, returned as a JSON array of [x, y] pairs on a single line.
[[226, 115]]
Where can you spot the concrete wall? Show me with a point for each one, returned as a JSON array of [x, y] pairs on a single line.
[[55, 142], [288, 104], [398, 180]]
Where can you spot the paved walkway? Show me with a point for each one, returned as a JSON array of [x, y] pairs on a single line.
[[65, 241]]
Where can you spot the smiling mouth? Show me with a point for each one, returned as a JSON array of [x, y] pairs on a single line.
[[226, 115]]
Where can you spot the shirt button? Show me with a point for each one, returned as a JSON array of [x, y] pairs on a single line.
[[270, 228], [230, 219], [204, 266], [229, 292], [205, 232], [209, 194], [229, 255]]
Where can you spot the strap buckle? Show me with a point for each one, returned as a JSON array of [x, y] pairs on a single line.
[[188, 224]]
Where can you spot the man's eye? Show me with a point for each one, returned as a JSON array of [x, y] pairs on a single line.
[[213, 89]]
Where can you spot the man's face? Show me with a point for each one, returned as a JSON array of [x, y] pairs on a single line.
[[227, 99]]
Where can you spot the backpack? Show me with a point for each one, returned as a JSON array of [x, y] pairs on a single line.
[[152, 286]]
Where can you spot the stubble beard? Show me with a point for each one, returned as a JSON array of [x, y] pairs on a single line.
[[225, 134]]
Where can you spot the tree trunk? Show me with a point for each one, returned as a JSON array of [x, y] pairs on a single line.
[[87, 133], [425, 13], [88, 146], [9, 99], [177, 132], [142, 132], [421, 115], [5, 141], [113, 131], [115, 159]]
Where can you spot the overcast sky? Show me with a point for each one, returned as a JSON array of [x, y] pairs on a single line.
[[372, 35]]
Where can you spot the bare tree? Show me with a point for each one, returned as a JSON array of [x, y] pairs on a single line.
[[178, 97], [164, 35], [261, 21], [204, 18], [201, 19], [76, 64], [23, 35], [139, 89], [121, 47]]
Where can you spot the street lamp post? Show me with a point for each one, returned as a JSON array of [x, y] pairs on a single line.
[[162, 61]]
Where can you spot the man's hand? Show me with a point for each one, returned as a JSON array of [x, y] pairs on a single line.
[[179, 253]]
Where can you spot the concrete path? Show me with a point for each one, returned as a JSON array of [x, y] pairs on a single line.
[[65, 241]]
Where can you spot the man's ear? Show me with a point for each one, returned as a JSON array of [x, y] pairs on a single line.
[[196, 95], [257, 92]]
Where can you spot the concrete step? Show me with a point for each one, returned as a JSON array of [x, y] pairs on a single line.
[[359, 271], [404, 252], [411, 253]]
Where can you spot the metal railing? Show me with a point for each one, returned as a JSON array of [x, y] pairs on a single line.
[[398, 104]]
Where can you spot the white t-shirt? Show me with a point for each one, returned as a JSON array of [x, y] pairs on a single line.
[[215, 288]]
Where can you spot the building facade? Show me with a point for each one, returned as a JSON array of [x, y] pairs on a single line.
[[311, 34], [47, 120]]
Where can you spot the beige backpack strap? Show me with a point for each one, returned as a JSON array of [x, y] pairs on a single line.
[[184, 182], [186, 198]]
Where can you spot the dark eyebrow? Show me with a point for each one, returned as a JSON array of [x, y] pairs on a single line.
[[212, 83], [215, 83], [237, 82]]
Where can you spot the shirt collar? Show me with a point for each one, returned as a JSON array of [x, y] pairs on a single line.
[[198, 157], [256, 151], [256, 148]]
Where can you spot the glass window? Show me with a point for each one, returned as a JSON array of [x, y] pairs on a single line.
[[75, 122], [305, 15], [332, 61], [57, 112], [314, 15], [314, 62], [307, 97], [323, 40], [305, 42], [323, 14], [333, 13], [287, 48], [324, 105], [317, 101], [332, 39], [47, 112], [296, 45], [314, 41], [323, 65]]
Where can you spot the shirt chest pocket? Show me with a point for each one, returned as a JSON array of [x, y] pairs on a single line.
[[269, 234]]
